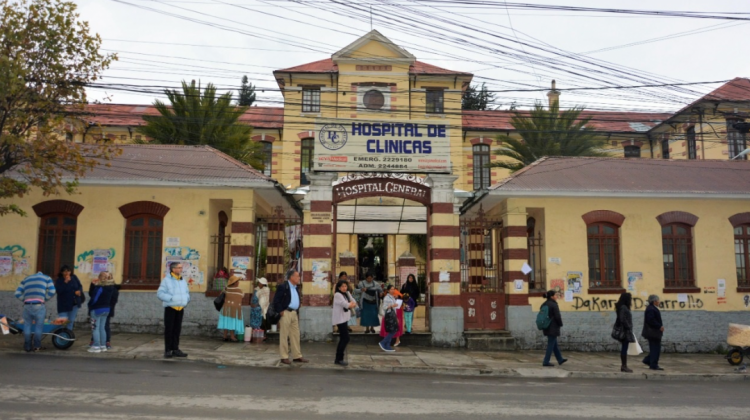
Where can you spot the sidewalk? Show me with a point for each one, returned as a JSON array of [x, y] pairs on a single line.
[[711, 367]]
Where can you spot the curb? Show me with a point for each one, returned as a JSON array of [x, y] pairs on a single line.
[[457, 371]]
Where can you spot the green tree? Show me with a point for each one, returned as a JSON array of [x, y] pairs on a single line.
[[547, 132], [198, 116], [47, 57], [477, 98], [247, 93]]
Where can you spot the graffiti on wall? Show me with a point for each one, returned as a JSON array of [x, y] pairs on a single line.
[[14, 261], [602, 304], [94, 261]]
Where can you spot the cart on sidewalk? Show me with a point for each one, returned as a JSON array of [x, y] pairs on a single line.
[[738, 339], [62, 336]]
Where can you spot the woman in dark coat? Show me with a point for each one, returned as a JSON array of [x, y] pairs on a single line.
[[625, 320], [412, 288], [69, 295], [653, 329], [553, 331]]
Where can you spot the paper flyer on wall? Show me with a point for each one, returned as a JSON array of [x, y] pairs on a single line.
[[6, 265]]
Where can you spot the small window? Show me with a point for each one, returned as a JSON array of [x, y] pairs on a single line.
[[735, 140], [488, 249], [632, 151], [742, 254], [374, 99], [691, 146], [311, 100], [665, 149], [434, 101], [267, 158], [481, 166], [69, 137], [677, 245], [604, 255], [307, 161]]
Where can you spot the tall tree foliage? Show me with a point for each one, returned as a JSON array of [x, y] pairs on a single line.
[[47, 56], [477, 98], [547, 132], [247, 93], [198, 116]]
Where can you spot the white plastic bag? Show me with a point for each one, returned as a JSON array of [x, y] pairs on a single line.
[[634, 349]]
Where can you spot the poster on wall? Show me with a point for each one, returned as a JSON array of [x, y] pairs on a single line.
[[6, 265], [320, 273], [240, 263], [381, 146], [21, 265], [100, 261], [171, 242], [575, 281], [558, 285], [633, 277]]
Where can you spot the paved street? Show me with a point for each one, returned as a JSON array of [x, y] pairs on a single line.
[[38, 386]]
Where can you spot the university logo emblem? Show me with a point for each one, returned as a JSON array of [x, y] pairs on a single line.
[[332, 136]]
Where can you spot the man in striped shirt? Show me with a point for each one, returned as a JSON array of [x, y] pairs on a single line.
[[34, 291]]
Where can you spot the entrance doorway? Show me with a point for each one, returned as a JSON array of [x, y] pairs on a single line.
[[372, 250]]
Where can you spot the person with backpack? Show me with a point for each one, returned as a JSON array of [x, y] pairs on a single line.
[[550, 322]]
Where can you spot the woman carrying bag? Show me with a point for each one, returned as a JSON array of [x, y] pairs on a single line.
[[623, 329]]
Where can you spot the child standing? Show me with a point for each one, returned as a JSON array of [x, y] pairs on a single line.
[[409, 306]]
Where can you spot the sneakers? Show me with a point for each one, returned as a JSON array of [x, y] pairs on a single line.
[[109, 346], [386, 349], [94, 349], [102, 349]]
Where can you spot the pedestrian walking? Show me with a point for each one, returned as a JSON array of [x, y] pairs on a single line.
[[625, 322], [653, 330], [399, 315], [286, 302], [343, 306], [70, 295], [370, 291], [175, 296], [389, 307], [553, 330], [100, 301], [115, 299], [34, 291], [230, 317]]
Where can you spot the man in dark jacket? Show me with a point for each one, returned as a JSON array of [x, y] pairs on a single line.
[[653, 330], [553, 331], [286, 302]]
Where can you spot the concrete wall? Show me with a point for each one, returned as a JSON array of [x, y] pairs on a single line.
[[685, 331]]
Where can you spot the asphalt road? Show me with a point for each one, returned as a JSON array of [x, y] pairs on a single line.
[[37, 386]]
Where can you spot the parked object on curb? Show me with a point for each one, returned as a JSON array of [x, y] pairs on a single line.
[[738, 338], [62, 337]]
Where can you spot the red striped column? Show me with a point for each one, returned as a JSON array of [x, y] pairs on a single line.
[[444, 251], [515, 253], [317, 239]]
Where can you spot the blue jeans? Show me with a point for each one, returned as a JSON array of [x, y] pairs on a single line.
[[70, 315], [552, 347], [33, 314], [99, 335], [386, 342]]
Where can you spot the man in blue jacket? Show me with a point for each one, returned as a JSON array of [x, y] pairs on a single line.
[[286, 302], [174, 295]]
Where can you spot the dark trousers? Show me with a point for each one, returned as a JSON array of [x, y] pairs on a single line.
[[654, 351], [624, 349], [172, 328], [552, 347], [343, 341], [108, 330]]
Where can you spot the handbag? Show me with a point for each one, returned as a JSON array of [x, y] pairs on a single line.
[[391, 322], [634, 348], [219, 301], [272, 316], [618, 333]]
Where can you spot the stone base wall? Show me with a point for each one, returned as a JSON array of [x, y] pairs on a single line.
[[315, 323], [139, 312], [685, 331], [447, 326]]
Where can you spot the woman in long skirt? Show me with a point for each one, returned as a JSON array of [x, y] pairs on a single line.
[[400, 316], [371, 291], [230, 317]]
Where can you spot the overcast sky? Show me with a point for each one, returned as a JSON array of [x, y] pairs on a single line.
[[506, 47]]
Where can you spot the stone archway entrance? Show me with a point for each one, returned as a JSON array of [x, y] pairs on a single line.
[[443, 274]]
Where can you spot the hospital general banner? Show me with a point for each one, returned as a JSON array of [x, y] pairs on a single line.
[[381, 146]]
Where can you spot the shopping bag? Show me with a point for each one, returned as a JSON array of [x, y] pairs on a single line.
[[4, 325], [634, 349]]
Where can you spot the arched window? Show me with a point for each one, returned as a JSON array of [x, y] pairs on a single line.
[[481, 166], [306, 161], [57, 235], [222, 239], [144, 230], [604, 255], [677, 245], [742, 254]]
